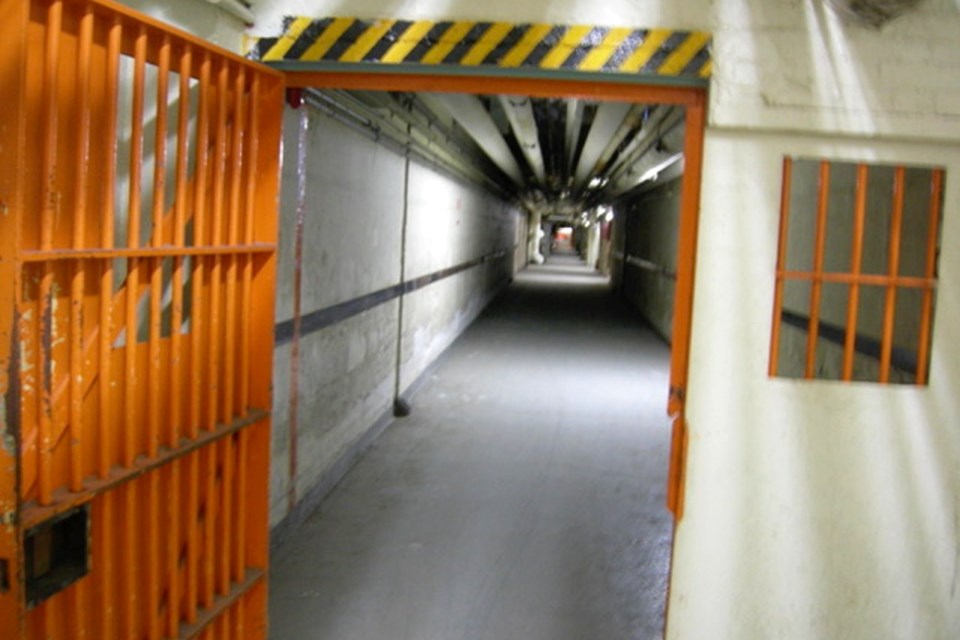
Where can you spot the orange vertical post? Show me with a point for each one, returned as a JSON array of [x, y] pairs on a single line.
[[816, 288], [929, 271], [856, 260], [893, 270], [787, 186], [13, 138], [683, 306]]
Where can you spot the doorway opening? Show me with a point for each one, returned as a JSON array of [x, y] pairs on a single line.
[[378, 90]]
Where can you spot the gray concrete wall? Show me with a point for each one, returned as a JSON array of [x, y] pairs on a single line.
[[461, 246], [644, 258]]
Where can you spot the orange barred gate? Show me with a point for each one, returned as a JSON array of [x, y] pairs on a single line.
[[138, 202]]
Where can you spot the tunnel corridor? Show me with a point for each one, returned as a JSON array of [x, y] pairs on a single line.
[[522, 498]]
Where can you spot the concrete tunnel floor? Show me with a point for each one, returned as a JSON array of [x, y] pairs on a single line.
[[523, 498]]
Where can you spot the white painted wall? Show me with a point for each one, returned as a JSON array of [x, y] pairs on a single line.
[[353, 221], [814, 509]]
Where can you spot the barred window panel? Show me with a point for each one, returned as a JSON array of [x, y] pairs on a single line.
[[856, 271]]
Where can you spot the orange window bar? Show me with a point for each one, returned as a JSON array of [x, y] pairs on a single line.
[[819, 217], [137, 259]]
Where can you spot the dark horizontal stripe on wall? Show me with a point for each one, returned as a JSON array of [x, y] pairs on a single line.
[[900, 358], [329, 316], [646, 265]]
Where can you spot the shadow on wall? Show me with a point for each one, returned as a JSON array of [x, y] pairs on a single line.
[[798, 65]]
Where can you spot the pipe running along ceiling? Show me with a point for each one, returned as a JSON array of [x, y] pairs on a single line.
[[556, 157]]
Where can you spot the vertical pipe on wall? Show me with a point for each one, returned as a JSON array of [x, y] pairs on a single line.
[[304, 126], [400, 406]]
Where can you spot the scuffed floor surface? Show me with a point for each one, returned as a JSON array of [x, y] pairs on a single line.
[[521, 500]]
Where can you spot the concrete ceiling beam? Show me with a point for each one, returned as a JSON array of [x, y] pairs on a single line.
[[470, 113], [519, 111], [610, 117]]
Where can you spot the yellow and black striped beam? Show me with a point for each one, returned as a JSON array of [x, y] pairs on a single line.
[[648, 52]]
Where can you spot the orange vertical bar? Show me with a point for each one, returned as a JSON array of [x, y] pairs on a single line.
[[81, 610], [107, 394], [683, 305], [248, 238], [132, 391], [249, 213], [816, 288], [154, 367], [239, 566], [176, 342], [250, 166], [50, 100], [156, 264], [214, 389], [228, 525], [82, 158], [930, 272], [193, 538], [233, 233], [199, 226], [786, 189], [856, 262], [257, 463], [213, 548], [48, 211], [107, 573], [14, 183], [131, 596], [209, 521], [893, 270], [106, 391], [128, 523], [195, 524], [179, 238], [174, 540], [152, 576]]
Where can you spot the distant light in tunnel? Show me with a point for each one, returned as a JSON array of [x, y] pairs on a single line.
[[596, 182]]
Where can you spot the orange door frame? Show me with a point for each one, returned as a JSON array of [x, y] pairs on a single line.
[[693, 99], [613, 90]]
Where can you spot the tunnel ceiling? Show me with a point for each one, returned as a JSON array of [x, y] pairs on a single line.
[[558, 157]]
